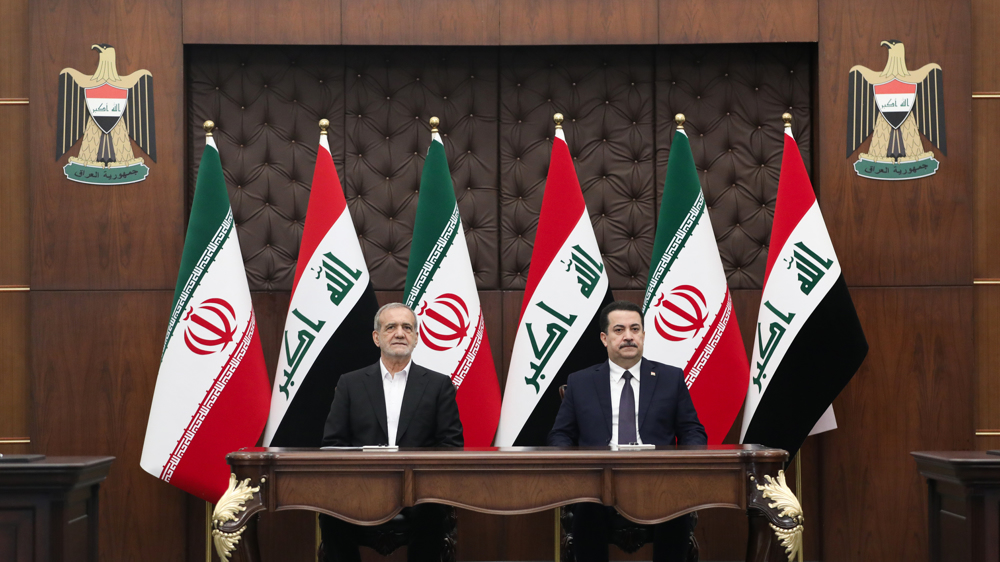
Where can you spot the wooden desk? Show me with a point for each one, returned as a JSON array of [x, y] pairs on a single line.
[[48, 508], [650, 486], [963, 504]]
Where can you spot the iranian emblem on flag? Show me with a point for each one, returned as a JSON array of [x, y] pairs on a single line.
[[688, 311], [441, 289], [212, 368]]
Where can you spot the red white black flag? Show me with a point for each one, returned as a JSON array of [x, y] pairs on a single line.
[[329, 323], [559, 332], [808, 342]]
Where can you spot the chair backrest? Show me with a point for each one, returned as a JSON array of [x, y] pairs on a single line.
[[562, 393]]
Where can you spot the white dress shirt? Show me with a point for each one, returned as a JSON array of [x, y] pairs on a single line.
[[617, 385], [393, 387]]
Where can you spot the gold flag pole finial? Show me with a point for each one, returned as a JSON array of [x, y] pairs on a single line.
[[208, 126], [434, 124], [679, 119], [787, 119], [324, 125], [558, 118]]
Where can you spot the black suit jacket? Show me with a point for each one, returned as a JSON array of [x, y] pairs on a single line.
[[428, 416], [665, 408]]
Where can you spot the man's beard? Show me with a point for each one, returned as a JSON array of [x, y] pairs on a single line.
[[393, 351]]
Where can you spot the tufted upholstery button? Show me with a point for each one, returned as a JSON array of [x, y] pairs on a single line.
[[496, 261]]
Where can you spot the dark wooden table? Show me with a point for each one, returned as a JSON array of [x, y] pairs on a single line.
[[647, 486], [963, 504], [49, 508]]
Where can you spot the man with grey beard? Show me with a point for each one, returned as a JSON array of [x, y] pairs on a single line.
[[393, 402]]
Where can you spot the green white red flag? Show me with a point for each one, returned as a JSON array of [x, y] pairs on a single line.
[[212, 391], [688, 311], [441, 289]]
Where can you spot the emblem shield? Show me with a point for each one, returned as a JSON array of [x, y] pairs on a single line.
[[106, 104], [895, 100]]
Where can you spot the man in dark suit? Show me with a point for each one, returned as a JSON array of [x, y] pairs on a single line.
[[393, 402], [627, 399]]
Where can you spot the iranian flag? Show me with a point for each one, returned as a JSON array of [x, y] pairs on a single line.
[[441, 288], [212, 388], [329, 323], [808, 342], [559, 331], [688, 311]]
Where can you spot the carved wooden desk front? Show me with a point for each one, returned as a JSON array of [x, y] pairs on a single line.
[[648, 486]]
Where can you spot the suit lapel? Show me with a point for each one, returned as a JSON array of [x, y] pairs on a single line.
[[376, 393], [602, 385], [416, 382], [647, 385]]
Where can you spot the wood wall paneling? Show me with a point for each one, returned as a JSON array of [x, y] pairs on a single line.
[[429, 22], [14, 197], [738, 21], [578, 22], [912, 393], [107, 237], [902, 233], [95, 356], [986, 188], [15, 376], [14, 42], [987, 384], [263, 22], [985, 46]]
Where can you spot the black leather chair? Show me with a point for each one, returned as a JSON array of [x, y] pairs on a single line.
[[625, 534]]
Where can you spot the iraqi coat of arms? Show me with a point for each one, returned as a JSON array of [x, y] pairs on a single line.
[[895, 107], [106, 109]]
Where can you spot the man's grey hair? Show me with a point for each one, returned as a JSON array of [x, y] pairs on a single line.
[[378, 315]]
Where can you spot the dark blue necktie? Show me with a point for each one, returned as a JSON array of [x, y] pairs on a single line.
[[626, 413]]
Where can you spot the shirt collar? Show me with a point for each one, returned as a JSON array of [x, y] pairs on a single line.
[[617, 371], [385, 372]]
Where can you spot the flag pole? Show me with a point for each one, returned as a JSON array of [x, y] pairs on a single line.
[[798, 492], [558, 120], [786, 118], [209, 508]]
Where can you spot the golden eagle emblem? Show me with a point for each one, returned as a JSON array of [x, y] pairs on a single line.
[[107, 110], [894, 107]]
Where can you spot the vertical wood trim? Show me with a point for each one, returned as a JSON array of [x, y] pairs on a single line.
[[15, 381], [986, 194], [14, 45], [14, 197]]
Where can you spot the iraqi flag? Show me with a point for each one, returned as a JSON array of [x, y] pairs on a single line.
[[441, 288], [559, 331], [688, 311], [808, 342], [211, 390], [329, 323]]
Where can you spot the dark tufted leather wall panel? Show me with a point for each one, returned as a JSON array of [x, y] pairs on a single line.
[[496, 107], [733, 98], [606, 97], [391, 95], [266, 103]]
